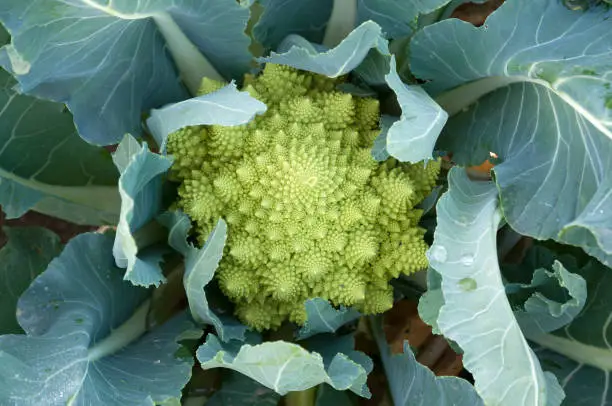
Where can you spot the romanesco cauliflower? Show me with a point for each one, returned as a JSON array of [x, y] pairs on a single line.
[[310, 212]]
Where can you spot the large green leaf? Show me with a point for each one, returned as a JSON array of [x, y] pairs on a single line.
[[328, 396], [347, 55], [476, 313], [86, 341], [544, 300], [322, 317], [227, 106], [396, 17], [240, 390], [200, 267], [284, 17], [582, 383], [310, 19], [26, 254], [140, 187], [109, 62], [413, 384], [45, 166], [413, 136], [338, 352], [443, 12], [580, 354], [432, 300], [285, 367], [532, 85]]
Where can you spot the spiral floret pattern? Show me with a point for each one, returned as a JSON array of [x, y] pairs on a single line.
[[310, 212]]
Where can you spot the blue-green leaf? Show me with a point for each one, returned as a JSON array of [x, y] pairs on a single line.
[[580, 354], [127, 148], [379, 149], [26, 254], [550, 300], [414, 384], [526, 87], [16, 199], [282, 366], [200, 267], [240, 390], [328, 396], [110, 62], [329, 347], [412, 138], [310, 19], [335, 62], [444, 12], [432, 301], [227, 106], [396, 17], [140, 187], [583, 384], [373, 69], [45, 166], [281, 18], [86, 341], [324, 318], [476, 313]]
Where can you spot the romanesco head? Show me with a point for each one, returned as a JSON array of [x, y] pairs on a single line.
[[310, 212]]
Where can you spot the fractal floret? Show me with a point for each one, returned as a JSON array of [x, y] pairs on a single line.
[[310, 213]]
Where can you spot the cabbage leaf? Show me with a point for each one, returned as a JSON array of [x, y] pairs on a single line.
[[110, 62], [532, 86], [140, 187], [86, 340], [476, 313], [45, 166], [286, 367], [26, 254], [200, 267], [413, 384]]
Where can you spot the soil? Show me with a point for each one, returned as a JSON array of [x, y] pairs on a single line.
[[64, 229]]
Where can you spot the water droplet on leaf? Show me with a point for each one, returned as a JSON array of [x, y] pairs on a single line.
[[438, 253], [468, 284], [467, 260]]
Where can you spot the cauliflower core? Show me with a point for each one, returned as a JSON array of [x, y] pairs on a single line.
[[310, 213]]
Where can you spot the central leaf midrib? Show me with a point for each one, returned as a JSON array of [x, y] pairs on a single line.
[[582, 353], [104, 198], [127, 333], [110, 11]]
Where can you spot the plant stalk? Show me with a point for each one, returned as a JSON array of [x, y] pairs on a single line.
[[125, 334], [341, 22], [302, 398], [192, 65]]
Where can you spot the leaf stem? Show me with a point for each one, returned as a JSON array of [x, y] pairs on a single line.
[[301, 398], [168, 299], [103, 198], [125, 334], [149, 234], [195, 401], [192, 64], [459, 98], [341, 22]]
